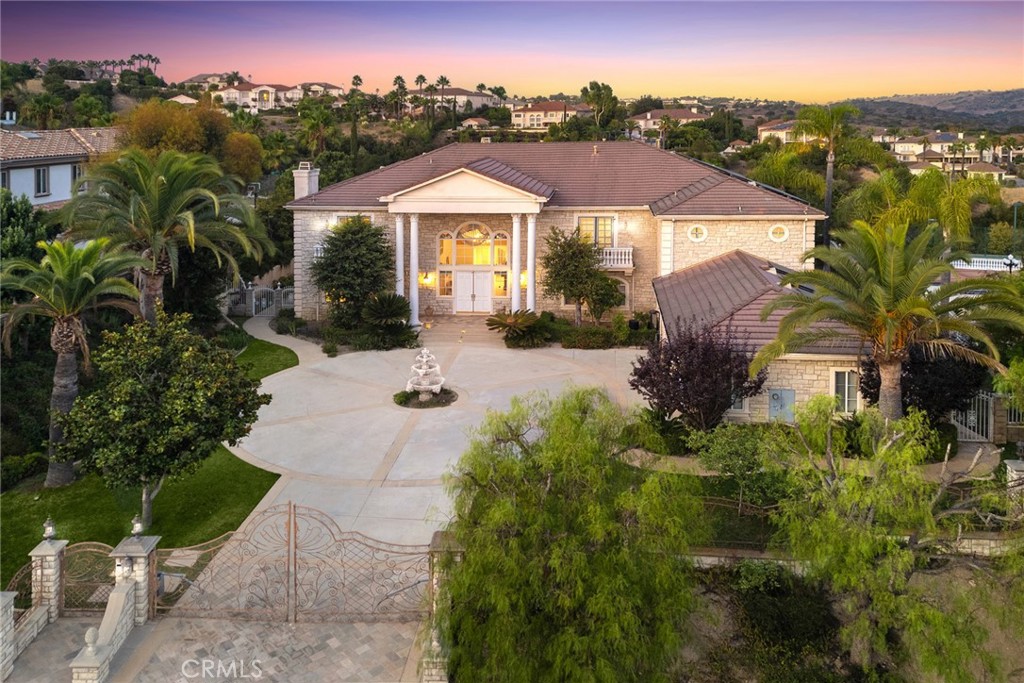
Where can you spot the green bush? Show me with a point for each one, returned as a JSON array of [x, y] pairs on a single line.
[[642, 337], [15, 468], [232, 337], [330, 348], [588, 337], [384, 324], [620, 329], [554, 326], [945, 436], [335, 335], [521, 329]]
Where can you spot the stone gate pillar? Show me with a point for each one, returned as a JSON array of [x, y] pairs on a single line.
[[48, 577], [136, 561]]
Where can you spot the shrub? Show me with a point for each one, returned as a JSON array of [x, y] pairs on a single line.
[[335, 335], [620, 329], [644, 336], [945, 437], [385, 324], [330, 348], [554, 326], [15, 468], [521, 329], [589, 337], [232, 337], [735, 451], [698, 374]]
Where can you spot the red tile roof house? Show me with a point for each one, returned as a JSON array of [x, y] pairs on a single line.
[[44, 164], [729, 291], [469, 221], [651, 120], [540, 115]]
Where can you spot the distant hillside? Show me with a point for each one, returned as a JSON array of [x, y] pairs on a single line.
[[1001, 111], [970, 101]]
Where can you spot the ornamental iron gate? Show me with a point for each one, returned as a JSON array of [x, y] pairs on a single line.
[[88, 577], [975, 422], [293, 563]]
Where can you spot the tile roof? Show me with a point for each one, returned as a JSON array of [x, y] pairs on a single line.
[[678, 114], [984, 167], [576, 174], [929, 154], [730, 291], [548, 105], [509, 176], [329, 86], [46, 144]]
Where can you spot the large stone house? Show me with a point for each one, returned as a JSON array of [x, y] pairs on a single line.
[[729, 292], [469, 220]]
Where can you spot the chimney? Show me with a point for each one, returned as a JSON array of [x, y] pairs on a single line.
[[595, 150], [307, 180]]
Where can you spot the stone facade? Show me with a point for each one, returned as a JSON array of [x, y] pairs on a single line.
[[805, 375], [635, 228], [6, 633]]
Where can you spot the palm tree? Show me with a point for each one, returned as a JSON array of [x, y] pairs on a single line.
[[631, 128], [480, 87], [233, 78], [931, 196], [420, 81], [68, 281], [44, 109], [499, 92], [666, 125], [317, 125], [156, 60], [782, 169], [880, 289], [430, 90], [400, 93], [155, 208], [443, 82], [828, 125]]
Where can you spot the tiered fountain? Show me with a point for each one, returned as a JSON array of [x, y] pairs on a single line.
[[426, 376]]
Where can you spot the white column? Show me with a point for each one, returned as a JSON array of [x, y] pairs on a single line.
[[515, 286], [414, 268], [399, 254], [531, 262]]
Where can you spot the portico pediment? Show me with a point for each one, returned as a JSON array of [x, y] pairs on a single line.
[[464, 191]]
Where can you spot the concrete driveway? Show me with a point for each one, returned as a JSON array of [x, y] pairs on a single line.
[[341, 444]]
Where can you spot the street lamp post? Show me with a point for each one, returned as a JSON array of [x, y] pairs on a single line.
[[1010, 263]]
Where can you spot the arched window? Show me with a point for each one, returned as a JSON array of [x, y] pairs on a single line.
[[500, 249], [473, 245], [444, 249]]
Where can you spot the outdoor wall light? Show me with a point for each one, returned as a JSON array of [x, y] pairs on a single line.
[[49, 530], [136, 526], [522, 279], [427, 279]]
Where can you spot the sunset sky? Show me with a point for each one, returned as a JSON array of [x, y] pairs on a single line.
[[806, 51]]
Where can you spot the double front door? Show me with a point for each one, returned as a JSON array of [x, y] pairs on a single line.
[[473, 291]]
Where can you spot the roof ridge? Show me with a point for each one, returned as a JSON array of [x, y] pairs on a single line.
[[90, 150]]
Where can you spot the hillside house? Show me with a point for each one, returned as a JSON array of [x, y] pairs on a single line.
[[468, 222], [539, 115], [651, 120], [43, 165]]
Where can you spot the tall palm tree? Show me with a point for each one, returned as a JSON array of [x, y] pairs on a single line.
[[68, 281], [828, 125], [420, 81], [431, 102], [401, 91], [156, 60], [317, 126], [632, 127], [44, 110], [442, 83], [666, 125], [155, 208], [880, 289]]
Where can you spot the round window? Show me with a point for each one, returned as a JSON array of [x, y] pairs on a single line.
[[778, 233], [698, 233]]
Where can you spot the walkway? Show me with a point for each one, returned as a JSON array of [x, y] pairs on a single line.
[[341, 445]]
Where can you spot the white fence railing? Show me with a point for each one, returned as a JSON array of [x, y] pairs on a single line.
[[617, 257], [975, 422], [987, 262], [1014, 416]]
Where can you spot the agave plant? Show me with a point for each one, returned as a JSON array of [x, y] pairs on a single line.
[[386, 310]]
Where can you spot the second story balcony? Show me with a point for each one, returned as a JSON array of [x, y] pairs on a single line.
[[617, 258]]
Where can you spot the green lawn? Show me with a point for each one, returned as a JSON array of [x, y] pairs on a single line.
[[214, 499]]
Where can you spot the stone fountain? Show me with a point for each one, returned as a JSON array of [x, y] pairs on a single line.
[[426, 376]]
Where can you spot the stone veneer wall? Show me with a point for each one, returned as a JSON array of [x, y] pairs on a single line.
[[751, 235], [635, 228], [808, 377], [92, 665]]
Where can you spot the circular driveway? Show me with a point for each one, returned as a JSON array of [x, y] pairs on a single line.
[[341, 444]]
